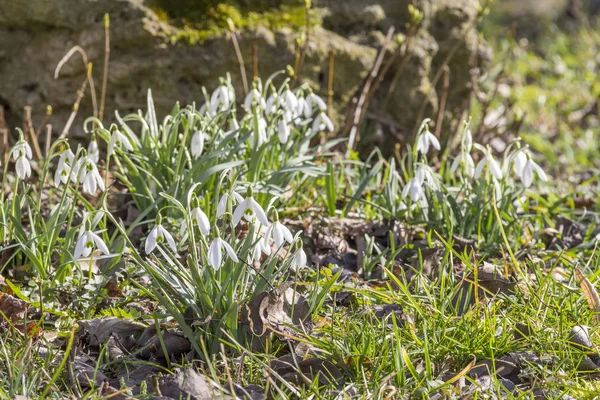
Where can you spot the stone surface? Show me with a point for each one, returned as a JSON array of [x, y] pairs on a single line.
[[35, 34]]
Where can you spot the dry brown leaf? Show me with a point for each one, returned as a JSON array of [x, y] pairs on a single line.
[[590, 293], [11, 306]]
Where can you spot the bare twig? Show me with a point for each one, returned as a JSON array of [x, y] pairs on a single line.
[[30, 132], [442, 105], [48, 138], [80, 95], [239, 56], [300, 59], [44, 121], [254, 60], [106, 59], [87, 65], [362, 103]]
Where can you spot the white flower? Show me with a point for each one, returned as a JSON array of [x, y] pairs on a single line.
[[525, 168], [215, 254], [271, 104], [253, 98], [302, 106], [250, 204], [119, 140], [63, 169], [322, 122], [22, 154], [156, 236], [85, 168], [289, 102], [220, 100], [261, 247], [222, 205], [414, 187], [280, 233], [299, 260], [489, 162], [197, 144], [283, 131], [313, 100], [425, 139], [86, 242], [465, 158], [201, 220], [93, 151]]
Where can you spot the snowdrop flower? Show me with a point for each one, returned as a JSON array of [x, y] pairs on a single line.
[[302, 106], [93, 151], [63, 169], [271, 104], [197, 144], [322, 122], [86, 243], [426, 139], [262, 247], [414, 187], [215, 252], [313, 100], [157, 235], [220, 100], [253, 98], [86, 170], [289, 101], [283, 131], [464, 159], [22, 154], [223, 201], [525, 168], [249, 204], [118, 139], [299, 260], [280, 233], [202, 220], [489, 162]]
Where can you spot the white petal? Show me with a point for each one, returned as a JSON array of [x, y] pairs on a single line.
[[495, 168], [283, 131], [468, 140], [239, 211], [230, 251], [327, 121], [286, 233], [519, 163], [151, 240], [258, 210], [422, 144], [80, 246], [197, 144], [479, 168], [214, 254], [540, 172], [98, 179], [433, 140], [27, 150], [100, 243], [469, 165], [237, 197], [222, 206], [406, 190], [415, 191], [169, 239], [202, 221], [455, 164], [277, 234], [527, 175]]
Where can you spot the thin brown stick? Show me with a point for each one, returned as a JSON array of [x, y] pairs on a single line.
[[362, 104], [239, 56], [303, 51], [80, 94], [44, 121], [442, 104], [330, 81], [106, 59], [254, 60], [87, 66], [30, 132], [48, 138]]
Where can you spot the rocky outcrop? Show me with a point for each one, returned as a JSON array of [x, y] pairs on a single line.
[[35, 34]]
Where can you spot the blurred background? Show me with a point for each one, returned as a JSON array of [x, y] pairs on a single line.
[[525, 67]]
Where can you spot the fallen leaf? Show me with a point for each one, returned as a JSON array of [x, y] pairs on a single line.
[[590, 293], [98, 330]]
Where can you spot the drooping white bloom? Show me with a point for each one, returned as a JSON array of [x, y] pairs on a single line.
[[283, 131], [157, 235], [220, 100], [288, 101], [253, 98], [322, 122], [222, 205], [202, 220], [197, 144], [465, 158], [63, 169], [261, 247], [525, 168], [215, 252], [250, 204], [426, 139], [271, 104], [489, 162], [118, 139], [302, 106], [280, 234], [22, 154], [299, 260], [92, 151], [86, 243], [86, 171], [314, 102], [414, 187]]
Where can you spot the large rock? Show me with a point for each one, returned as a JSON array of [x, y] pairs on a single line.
[[35, 34]]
